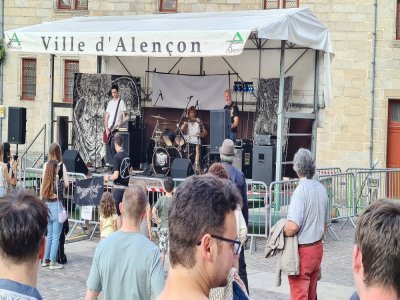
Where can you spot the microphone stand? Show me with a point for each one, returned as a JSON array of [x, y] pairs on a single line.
[[95, 142], [158, 97]]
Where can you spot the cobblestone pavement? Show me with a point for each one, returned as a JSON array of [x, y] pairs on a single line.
[[336, 282]]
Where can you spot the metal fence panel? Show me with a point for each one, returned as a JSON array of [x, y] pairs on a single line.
[[341, 191], [375, 184], [328, 171]]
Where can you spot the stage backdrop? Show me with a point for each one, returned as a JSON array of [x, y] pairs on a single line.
[[91, 95], [177, 89]]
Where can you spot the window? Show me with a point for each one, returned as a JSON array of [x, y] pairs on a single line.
[[168, 5], [398, 20], [70, 68], [290, 3], [72, 4], [28, 79], [273, 4]]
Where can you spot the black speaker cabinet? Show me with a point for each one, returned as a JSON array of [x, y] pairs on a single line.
[[132, 142], [62, 132], [181, 168], [73, 162], [220, 128], [243, 160], [16, 125], [264, 163]]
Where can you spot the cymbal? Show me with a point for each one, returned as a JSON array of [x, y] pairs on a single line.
[[166, 123], [158, 117]]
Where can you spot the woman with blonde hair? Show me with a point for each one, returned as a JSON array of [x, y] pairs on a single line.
[[49, 196]]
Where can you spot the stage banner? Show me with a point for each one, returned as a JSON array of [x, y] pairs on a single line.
[[89, 191], [176, 91], [92, 92]]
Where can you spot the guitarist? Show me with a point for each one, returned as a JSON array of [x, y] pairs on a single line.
[[113, 119]]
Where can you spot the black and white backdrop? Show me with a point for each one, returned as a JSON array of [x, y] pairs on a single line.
[[91, 95], [266, 118]]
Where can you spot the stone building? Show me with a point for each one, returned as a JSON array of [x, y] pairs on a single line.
[[345, 138]]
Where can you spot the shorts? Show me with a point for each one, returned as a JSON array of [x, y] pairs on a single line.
[[163, 241]]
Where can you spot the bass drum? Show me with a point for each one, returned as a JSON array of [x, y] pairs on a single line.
[[163, 158]]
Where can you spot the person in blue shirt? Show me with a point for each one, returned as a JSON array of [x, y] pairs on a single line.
[[23, 222]]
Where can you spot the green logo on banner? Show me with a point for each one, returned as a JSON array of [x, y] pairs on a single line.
[[15, 39], [235, 45], [237, 39]]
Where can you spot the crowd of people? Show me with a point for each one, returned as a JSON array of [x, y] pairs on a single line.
[[202, 227]]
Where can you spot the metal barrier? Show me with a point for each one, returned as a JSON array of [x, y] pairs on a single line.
[[375, 184], [280, 196], [33, 181], [327, 171], [281, 193], [341, 191], [259, 210]]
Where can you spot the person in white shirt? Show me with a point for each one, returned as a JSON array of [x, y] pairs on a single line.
[[110, 125], [194, 130]]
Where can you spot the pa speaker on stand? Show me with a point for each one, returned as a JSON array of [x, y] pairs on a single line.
[[16, 125]]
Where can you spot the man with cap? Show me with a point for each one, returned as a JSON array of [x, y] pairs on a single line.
[[226, 154]]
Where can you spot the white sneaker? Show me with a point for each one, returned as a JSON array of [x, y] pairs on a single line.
[[55, 265]]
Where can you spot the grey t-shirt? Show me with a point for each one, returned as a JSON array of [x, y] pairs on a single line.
[[162, 207], [309, 210], [126, 265]]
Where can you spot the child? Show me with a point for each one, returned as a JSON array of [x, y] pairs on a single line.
[[108, 215], [160, 215]]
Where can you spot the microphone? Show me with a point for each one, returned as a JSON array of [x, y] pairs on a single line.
[[161, 95], [197, 103], [190, 97]]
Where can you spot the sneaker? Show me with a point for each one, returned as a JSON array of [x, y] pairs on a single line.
[[45, 263], [55, 265]]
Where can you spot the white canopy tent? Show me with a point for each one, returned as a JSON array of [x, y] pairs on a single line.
[[183, 35]]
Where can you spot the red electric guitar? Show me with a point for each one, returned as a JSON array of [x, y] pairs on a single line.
[[107, 138]]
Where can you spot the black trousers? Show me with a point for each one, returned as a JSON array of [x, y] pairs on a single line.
[[242, 270], [118, 193]]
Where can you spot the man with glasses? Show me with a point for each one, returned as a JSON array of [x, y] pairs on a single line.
[[203, 237]]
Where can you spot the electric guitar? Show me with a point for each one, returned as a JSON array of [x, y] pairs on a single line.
[[114, 129], [107, 138]]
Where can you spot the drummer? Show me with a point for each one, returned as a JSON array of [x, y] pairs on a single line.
[[195, 130]]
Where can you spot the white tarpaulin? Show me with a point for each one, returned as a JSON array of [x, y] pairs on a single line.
[[179, 91], [170, 35]]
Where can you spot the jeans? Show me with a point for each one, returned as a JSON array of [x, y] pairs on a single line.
[[2, 191], [304, 285], [53, 231], [233, 136]]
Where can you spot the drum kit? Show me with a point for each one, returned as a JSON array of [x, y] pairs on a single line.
[[168, 145]]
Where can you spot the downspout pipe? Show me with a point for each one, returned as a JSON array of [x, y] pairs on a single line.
[[372, 104]]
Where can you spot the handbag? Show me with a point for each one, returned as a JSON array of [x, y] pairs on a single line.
[[107, 138], [62, 214]]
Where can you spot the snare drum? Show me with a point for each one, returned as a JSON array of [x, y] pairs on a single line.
[[168, 136], [163, 158]]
